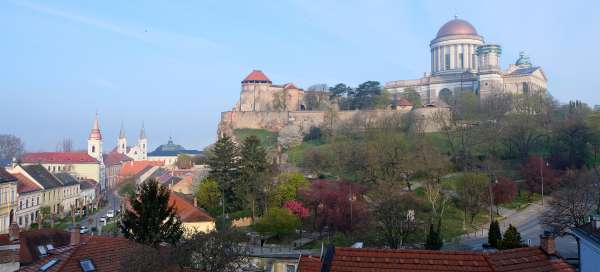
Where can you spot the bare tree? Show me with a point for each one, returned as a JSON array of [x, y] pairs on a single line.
[[397, 218], [212, 252], [145, 259], [570, 206], [10, 147], [66, 145]]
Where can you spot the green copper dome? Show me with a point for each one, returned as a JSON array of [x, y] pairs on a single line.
[[523, 60]]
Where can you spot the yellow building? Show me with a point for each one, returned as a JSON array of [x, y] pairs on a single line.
[[8, 199]]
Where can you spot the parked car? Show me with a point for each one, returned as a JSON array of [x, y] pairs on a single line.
[[83, 229], [110, 214], [102, 220]]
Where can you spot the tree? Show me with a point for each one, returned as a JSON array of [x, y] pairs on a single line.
[[66, 145], [10, 147], [151, 220], [223, 161], [522, 133], [504, 191], [297, 208], [570, 143], [494, 235], [339, 89], [253, 172], [412, 96], [397, 219], [473, 193], [145, 259], [277, 221], [184, 161], [512, 238], [533, 172], [289, 136], [316, 100], [212, 252], [280, 102], [434, 239], [570, 206], [209, 196], [593, 122], [288, 185]]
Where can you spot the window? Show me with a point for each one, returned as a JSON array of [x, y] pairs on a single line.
[[27, 203], [290, 268], [87, 265], [20, 221], [21, 204], [447, 62], [462, 60], [49, 264], [31, 216], [42, 250]]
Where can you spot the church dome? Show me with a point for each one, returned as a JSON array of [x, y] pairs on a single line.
[[457, 27]]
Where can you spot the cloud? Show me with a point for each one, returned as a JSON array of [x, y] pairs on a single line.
[[150, 36]]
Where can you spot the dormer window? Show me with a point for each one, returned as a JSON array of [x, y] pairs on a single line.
[[87, 265]]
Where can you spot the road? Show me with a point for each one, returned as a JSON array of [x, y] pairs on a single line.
[[528, 223], [114, 203]]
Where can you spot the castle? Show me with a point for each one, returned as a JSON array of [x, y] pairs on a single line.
[[461, 61]]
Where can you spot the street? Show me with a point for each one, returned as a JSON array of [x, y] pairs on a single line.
[[114, 203]]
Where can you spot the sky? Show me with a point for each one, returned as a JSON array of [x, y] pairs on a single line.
[[176, 65]]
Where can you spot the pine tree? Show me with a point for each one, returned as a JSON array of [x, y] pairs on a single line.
[[253, 172], [494, 235], [224, 167], [150, 220], [434, 238], [512, 238]]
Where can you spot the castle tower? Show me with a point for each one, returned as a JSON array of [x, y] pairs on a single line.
[[95, 141], [143, 144], [122, 142], [253, 87]]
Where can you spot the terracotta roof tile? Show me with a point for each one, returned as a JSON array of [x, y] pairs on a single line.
[[186, 210], [25, 185], [114, 158], [256, 76], [309, 264], [58, 157], [133, 168]]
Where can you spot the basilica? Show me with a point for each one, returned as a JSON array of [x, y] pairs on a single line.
[[461, 60]]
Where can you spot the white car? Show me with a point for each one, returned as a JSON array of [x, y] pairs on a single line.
[[83, 229], [102, 220], [110, 214]]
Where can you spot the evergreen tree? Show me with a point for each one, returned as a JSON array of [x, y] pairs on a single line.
[[224, 167], [494, 235], [253, 173], [150, 220], [434, 238], [512, 238]]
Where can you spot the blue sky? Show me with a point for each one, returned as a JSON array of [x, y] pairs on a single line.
[[175, 65]]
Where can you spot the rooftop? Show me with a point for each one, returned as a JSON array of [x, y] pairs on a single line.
[[5, 176], [26, 185], [66, 178], [456, 27], [172, 149], [187, 211], [256, 76], [42, 176], [115, 158], [363, 259], [58, 157]]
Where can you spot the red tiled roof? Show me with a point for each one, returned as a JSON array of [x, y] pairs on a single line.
[[403, 102], [58, 157], [290, 86], [256, 75], [133, 168], [25, 185], [114, 158], [358, 260], [186, 210], [309, 264], [29, 240]]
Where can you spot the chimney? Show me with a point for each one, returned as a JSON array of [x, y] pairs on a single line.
[[547, 243], [195, 202], [13, 232], [75, 236]]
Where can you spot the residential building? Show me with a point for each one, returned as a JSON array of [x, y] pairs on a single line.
[[113, 163], [139, 170], [8, 199], [169, 152], [87, 191], [367, 259], [54, 194], [30, 201], [82, 165], [588, 236], [70, 194], [193, 217]]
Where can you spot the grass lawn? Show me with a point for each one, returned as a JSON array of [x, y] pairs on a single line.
[[522, 200], [296, 154], [267, 138]]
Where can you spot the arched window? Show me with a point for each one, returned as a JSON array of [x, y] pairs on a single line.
[[122, 146], [445, 95], [93, 149]]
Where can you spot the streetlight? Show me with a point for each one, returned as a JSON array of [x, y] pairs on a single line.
[[542, 177]]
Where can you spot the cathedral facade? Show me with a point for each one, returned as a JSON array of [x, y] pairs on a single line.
[[462, 61]]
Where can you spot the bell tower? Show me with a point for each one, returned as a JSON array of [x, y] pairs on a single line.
[[95, 141], [143, 144], [122, 142]]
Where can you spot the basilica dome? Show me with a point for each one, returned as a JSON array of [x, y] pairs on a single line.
[[456, 27]]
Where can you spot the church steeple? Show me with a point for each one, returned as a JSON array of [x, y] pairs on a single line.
[[122, 142], [143, 143], [142, 132], [95, 141]]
